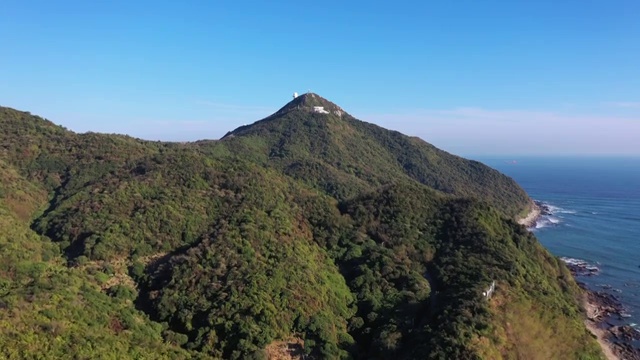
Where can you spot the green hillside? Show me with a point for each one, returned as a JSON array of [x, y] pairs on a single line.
[[305, 227], [340, 155], [50, 310]]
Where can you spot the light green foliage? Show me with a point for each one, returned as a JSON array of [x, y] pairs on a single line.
[[50, 311]]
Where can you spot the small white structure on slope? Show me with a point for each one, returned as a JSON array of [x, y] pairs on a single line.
[[295, 95], [320, 110], [489, 292]]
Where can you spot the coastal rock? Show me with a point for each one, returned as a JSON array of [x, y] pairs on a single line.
[[624, 333], [626, 351], [604, 305], [531, 219], [580, 267], [544, 208], [602, 308]]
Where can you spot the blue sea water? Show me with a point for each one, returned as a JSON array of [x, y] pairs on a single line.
[[595, 217]]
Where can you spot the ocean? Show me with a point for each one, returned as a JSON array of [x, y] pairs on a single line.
[[594, 217]]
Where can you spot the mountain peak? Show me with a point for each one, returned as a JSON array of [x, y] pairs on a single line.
[[311, 102]]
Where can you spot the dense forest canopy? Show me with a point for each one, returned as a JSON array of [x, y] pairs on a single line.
[[308, 227]]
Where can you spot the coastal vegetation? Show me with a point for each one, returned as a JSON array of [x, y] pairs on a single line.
[[359, 241]]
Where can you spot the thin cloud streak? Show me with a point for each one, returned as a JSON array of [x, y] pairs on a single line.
[[624, 104], [224, 107], [467, 130], [203, 119], [510, 116], [461, 130]]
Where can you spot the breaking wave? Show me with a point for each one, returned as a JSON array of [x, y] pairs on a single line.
[[551, 215], [581, 267]]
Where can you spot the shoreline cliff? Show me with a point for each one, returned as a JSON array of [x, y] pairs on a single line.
[[616, 341], [532, 217], [602, 310]]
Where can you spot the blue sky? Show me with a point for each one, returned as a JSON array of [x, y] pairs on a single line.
[[474, 77]]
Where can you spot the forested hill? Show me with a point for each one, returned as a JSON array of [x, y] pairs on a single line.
[[339, 154], [308, 230]]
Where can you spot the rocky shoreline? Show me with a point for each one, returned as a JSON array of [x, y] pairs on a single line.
[[530, 220], [604, 313], [538, 209]]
